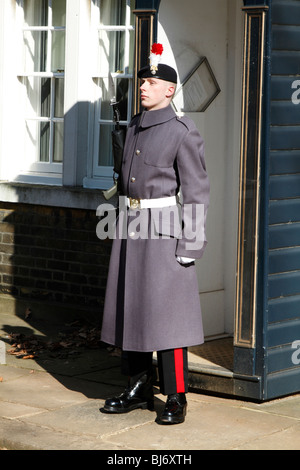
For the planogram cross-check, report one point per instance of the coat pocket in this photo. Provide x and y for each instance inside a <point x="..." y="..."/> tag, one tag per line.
<point x="158" y="161"/>
<point x="159" y="157"/>
<point x="166" y="222"/>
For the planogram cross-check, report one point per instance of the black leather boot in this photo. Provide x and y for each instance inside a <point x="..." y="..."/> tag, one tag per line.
<point x="175" y="409"/>
<point x="138" y="395"/>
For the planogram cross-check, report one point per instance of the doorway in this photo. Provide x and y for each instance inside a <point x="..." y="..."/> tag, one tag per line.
<point x="213" y="30"/>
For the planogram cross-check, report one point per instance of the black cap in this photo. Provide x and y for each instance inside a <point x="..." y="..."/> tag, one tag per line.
<point x="163" y="72"/>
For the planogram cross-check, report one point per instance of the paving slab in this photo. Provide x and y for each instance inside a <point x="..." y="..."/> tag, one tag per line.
<point x="17" y="435"/>
<point x="85" y="419"/>
<point x="285" y="439"/>
<point x="38" y="389"/>
<point x="285" y="406"/>
<point x="9" y="410"/>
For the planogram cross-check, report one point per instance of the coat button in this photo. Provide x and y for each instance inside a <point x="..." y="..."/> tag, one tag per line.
<point x="137" y="152"/>
<point x="132" y="179"/>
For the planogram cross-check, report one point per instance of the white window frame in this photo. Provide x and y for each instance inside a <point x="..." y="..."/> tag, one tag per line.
<point x="50" y="169"/>
<point x="100" y="176"/>
<point x="82" y="96"/>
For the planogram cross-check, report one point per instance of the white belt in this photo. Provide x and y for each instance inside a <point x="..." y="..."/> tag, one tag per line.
<point x="160" y="202"/>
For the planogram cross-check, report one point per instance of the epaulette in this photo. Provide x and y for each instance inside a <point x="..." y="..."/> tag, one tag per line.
<point x="186" y="121"/>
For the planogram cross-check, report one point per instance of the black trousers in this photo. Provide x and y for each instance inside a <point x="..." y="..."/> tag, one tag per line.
<point x="172" y="368"/>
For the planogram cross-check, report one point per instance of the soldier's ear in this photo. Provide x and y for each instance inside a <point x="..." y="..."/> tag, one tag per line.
<point x="170" y="90"/>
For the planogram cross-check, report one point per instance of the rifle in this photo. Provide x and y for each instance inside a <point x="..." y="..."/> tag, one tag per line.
<point x="118" y="139"/>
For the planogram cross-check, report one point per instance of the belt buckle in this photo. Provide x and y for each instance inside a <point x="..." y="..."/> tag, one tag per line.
<point x="134" y="203"/>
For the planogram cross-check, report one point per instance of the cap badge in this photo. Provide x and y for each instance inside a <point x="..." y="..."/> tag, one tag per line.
<point x="155" y="57"/>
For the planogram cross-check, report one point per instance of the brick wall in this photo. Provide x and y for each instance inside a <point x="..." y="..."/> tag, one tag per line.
<point x="52" y="254"/>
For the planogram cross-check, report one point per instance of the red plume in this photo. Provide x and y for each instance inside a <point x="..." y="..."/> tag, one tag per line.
<point x="157" y="49"/>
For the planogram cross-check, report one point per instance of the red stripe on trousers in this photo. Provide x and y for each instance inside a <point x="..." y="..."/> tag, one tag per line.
<point x="178" y="359"/>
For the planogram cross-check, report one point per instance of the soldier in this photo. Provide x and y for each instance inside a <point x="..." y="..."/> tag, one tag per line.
<point x="152" y="299"/>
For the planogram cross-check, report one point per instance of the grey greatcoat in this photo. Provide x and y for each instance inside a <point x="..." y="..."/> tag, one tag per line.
<point x="152" y="301"/>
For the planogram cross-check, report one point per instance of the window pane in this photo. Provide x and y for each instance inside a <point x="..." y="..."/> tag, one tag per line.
<point x="58" y="51"/>
<point x="112" y="12"/>
<point x="105" y="148"/>
<point x="58" y="142"/>
<point x="36" y="12"/>
<point x="35" y="56"/>
<point x="121" y="97"/>
<point x="106" y="109"/>
<point x="44" y="141"/>
<point x="38" y="96"/>
<point x="31" y="141"/>
<point x="37" y="141"/>
<point x="111" y="51"/>
<point x="45" y="97"/>
<point x="59" y="98"/>
<point x="58" y="12"/>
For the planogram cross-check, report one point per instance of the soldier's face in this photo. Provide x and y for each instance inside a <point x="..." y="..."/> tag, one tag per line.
<point x="156" y="93"/>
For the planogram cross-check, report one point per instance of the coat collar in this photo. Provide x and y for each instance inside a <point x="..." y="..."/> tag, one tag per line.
<point x="153" y="118"/>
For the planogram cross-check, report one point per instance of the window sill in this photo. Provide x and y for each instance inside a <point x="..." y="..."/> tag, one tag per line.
<point x="57" y="196"/>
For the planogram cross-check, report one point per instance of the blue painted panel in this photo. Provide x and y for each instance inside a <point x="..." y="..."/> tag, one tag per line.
<point x="284" y="162"/>
<point x="282" y="89"/>
<point x="280" y="358"/>
<point x="284" y="113"/>
<point x="283" y="383"/>
<point x="287" y="12"/>
<point x="284" y="284"/>
<point x="283" y="333"/>
<point x="286" y="37"/>
<point x="285" y="63"/>
<point x="283" y="211"/>
<point x="286" y="259"/>
<point x="285" y="235"/>
<point x="284" y="186"/>
<point x="286" y="137"/>
<point x="284" y="308"/>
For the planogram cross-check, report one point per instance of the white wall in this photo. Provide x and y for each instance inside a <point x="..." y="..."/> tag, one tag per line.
<point x="10" y="105"/>
<point x="190" y="30"/>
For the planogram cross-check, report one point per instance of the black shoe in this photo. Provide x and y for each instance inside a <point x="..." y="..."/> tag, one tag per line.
<point x="175" y="409"/>
<point x="138" y="395"/>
